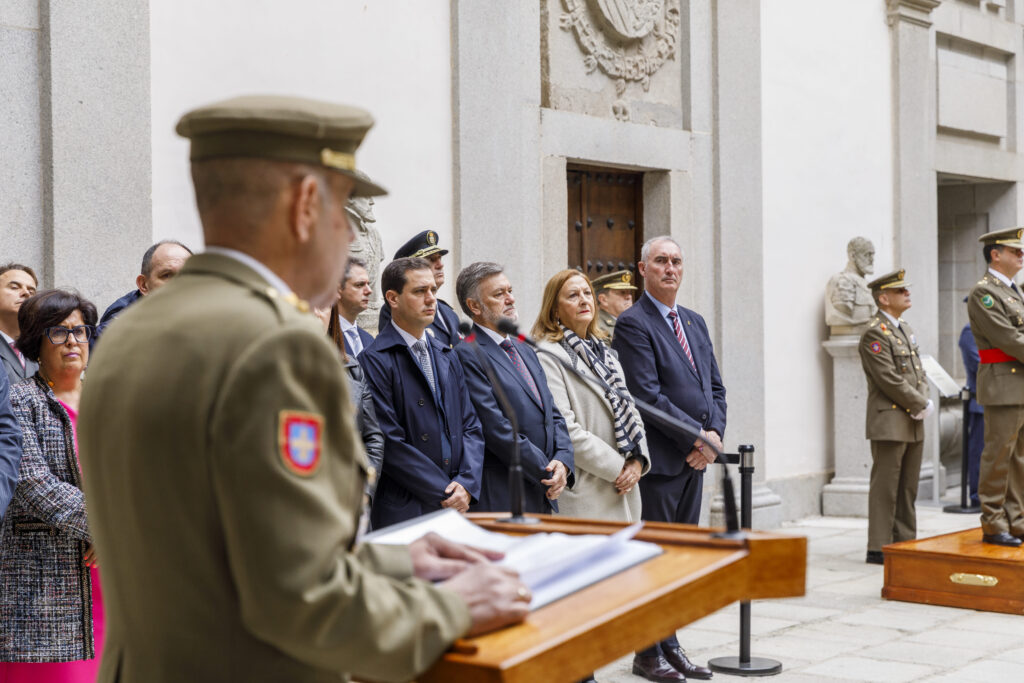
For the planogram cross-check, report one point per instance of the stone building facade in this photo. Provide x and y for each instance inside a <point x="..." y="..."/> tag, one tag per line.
<point x="761" y="135"/>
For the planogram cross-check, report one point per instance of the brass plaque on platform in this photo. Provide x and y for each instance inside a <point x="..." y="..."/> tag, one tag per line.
<point x="973" y="579"/>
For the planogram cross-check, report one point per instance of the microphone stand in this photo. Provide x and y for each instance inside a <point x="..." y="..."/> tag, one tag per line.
<point x="656" y="415"/>
<point x="515" y="472"/>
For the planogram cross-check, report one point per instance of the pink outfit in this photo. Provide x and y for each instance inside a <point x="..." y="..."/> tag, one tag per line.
<point x="82" y="671"/>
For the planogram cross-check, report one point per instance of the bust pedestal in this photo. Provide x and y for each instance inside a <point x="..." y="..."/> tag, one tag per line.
<point x="847" y="494"/>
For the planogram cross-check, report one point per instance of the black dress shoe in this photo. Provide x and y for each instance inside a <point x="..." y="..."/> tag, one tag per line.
<point x="678" y="659"/>
<point x="1002" y="538"/>
<point x="656" y="668"/>
<point x="875" y="557"/>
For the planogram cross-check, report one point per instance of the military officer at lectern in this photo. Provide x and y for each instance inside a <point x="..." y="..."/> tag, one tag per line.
<point x="226" y="513"/>
<point x="996" y="311"/>
<point x="898" y="403"/>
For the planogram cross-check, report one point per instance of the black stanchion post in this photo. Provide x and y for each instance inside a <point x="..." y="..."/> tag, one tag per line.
<point x="965" y="507"/>
<point x="745" y="665"/>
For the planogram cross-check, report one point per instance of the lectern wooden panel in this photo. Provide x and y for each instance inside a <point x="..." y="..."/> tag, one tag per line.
<point x="564" y="641"/>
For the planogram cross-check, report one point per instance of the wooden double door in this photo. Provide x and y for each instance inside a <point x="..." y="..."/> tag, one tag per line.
<point x="605" y="220"/>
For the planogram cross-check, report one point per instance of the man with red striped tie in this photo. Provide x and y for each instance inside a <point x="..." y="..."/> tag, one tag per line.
<point x="669" y="361"/>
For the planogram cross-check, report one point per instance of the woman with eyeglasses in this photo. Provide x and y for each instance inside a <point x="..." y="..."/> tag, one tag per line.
<point x="51" y="613"/>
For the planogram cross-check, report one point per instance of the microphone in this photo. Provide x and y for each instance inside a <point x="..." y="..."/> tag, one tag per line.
<point x="653" y="414"/>
<point x="515" y="472"/>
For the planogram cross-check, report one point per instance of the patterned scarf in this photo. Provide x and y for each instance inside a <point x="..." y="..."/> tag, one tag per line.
<point x="628" y="431"/>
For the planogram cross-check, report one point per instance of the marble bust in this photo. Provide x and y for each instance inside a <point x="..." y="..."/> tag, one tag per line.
<point x="367" y="246"/>
<point x="848" y="301"/>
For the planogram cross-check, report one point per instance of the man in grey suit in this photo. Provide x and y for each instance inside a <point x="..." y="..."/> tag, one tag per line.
<point x="17" y="283"/>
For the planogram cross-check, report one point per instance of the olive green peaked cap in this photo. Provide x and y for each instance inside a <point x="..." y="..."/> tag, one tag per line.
<point x="620" y="279"/>
<point x="1010" y="237"/>
<point x="283" y="128"/>
<point x="893" y="280"/>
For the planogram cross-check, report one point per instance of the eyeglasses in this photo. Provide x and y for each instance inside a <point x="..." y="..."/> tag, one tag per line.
<point x="59" y="335"/>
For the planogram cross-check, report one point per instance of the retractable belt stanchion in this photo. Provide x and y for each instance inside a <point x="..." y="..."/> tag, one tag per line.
<point x="745" y="665"/>
<point x="965" y="507"/>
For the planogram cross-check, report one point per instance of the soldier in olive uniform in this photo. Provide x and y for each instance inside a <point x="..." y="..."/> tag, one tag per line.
<point x="898" y="403"/>
<point x="225" y="475"/>
<point x="614" y="295"/>
<point x="996" y="310"/>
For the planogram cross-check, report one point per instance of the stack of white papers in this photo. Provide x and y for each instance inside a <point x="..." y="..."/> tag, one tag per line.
<point x="552" y="565"/>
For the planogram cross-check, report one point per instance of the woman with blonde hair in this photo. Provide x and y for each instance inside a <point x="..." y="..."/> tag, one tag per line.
<point x="603" y="422"/>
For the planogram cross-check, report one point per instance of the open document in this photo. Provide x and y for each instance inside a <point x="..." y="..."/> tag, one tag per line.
<point x="552" y="565"/>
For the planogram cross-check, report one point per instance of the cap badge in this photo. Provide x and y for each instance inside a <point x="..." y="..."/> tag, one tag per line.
<point x="875" y="347"/>
<point x="987" y="301"/>
<point x="431" y="238"/>
<point x="299" y="437"/>
<point x="340" y="160"/>
<point x="625" y="278"/>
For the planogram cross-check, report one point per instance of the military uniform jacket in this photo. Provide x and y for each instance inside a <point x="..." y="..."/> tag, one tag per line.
<point x="997" y="321"/>
<point x="897" y="387"/>
<point x="606" y="322"/>
<point x="224" y="482"/>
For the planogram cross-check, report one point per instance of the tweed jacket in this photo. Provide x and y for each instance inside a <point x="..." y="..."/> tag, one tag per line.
<point x="45" y="589"/>
<point x="591" y="425"/>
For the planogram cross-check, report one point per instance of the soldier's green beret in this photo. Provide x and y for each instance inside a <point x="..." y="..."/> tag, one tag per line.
<point x="421" y="246"/>
<point x="1010" y="237"/>
<point x="893" y="280"/>
<point x="620" y="279"/>
<point x="282" y="128"/>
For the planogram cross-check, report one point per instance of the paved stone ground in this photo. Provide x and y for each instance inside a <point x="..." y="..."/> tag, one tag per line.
<point x="842" y="630"/>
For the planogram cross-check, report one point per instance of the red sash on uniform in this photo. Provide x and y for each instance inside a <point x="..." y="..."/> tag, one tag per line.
<point x="994" y="356"/>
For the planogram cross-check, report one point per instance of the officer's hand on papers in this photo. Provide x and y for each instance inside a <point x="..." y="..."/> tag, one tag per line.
<point x="928" y="409"/>
<point x="495" y="596"/>
<point x="558" y="479"/>
<point x="458" y="497"/>
<point x="437" y="559"/>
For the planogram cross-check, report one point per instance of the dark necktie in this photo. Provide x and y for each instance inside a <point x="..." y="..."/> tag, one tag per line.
<point x="1013" y="286"/>
<point x="517" y="363"/>
<point x="682" y="338"/>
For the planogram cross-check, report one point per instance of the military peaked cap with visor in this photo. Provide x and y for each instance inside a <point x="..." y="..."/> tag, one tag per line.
<point x="421" y="246"/>
<point x="282" y="128"/>
<point x="620" y="279"/>
<point x="893" y="280"/>
<point x="1010" y="237"/>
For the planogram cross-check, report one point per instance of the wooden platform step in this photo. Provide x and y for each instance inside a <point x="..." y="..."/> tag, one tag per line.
<point x="956" y="570"/>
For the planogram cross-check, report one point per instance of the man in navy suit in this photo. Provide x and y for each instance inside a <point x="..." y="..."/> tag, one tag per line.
<point x="354" y="298"/>
<point x="17" y="283"/>
<point x="445" y="327"/>
<point x="976" y="413"/>
<point x="433" y="445"/>
<point x="10" y="446"/>
<point x="668" y="360"/>
<point x="545" y="449"/>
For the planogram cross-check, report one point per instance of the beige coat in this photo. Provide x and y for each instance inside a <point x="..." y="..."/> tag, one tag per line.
<point x="590" y="421"/>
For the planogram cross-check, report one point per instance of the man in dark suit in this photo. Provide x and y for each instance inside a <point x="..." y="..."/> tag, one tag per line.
<point x="975" y="413"/>
<point x="17" y="283"/>
<point x="160" y="263"/>
<point x="445" y="327"/>
<point x="545" y="449"/>
<point x="433" y="444"/>
<point x="10" y="446"/>
<point x="669" y="361"/>
<point x="354" y="298"/>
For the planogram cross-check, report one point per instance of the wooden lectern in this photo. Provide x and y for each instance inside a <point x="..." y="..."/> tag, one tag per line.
<point x="572" y="637"/>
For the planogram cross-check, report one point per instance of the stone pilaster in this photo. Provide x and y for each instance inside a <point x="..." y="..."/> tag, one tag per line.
<point x="915" y="208"/>
<point x="96" y="145"/>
